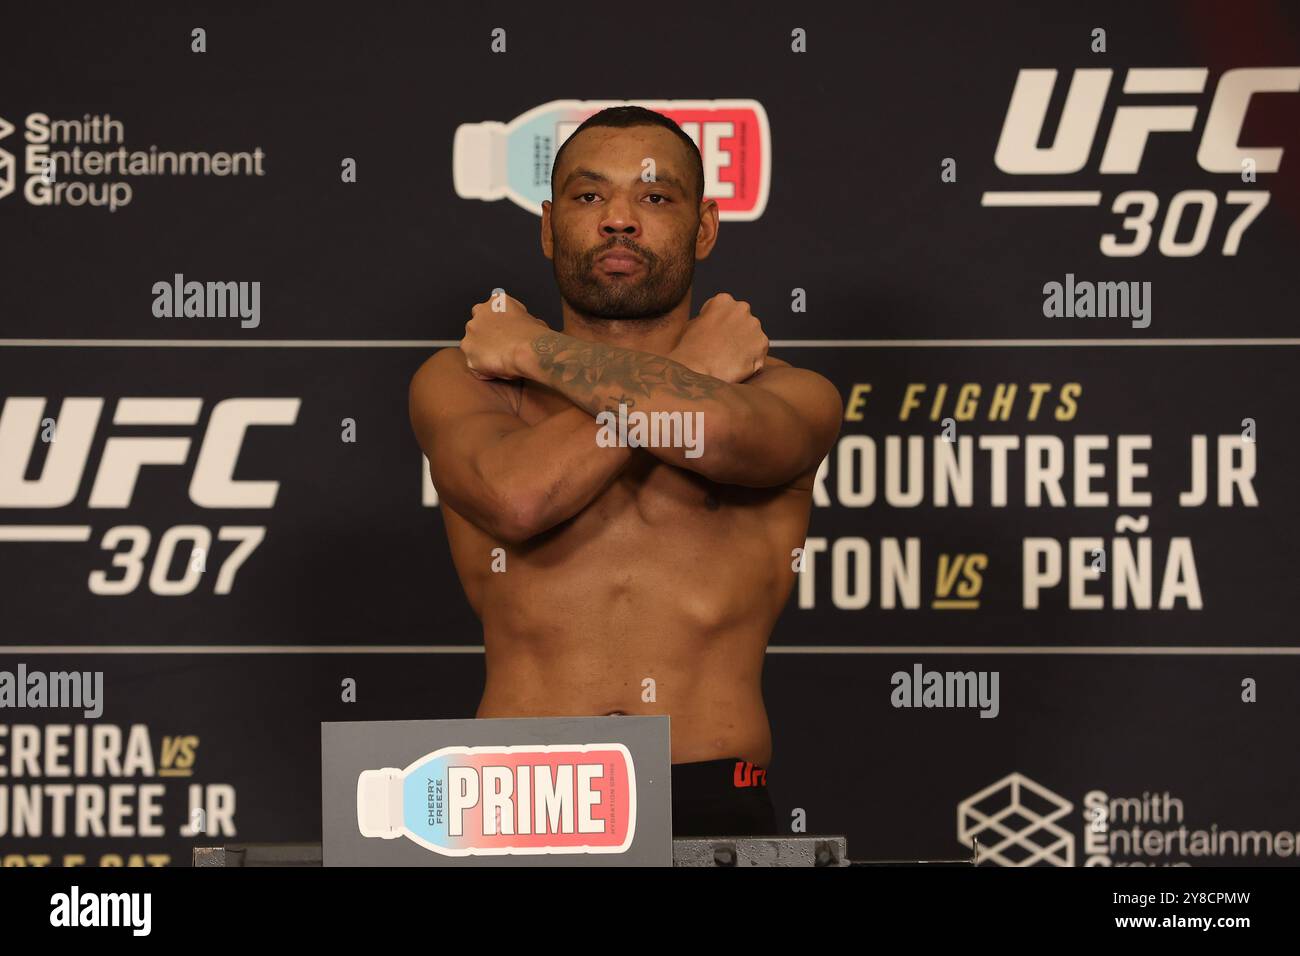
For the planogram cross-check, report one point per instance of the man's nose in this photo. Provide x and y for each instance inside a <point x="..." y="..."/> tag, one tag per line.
<point x="620" y="220"/>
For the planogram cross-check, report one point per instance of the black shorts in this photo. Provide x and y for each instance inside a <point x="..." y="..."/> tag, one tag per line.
<point x="725" y="797"/>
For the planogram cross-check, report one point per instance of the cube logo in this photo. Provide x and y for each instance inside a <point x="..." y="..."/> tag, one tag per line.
<point x="1015" y="822"/>
<point x="6" y="161"/>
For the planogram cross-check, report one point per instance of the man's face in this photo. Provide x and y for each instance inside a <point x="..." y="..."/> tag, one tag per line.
<point x="602" y="205"/>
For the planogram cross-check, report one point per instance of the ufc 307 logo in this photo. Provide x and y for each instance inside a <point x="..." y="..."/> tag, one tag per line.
<point x="179" y="562"/>
<point x="1185" y="227"/>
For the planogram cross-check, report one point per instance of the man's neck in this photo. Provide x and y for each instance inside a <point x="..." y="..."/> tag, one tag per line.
<point x="659" y="335"/>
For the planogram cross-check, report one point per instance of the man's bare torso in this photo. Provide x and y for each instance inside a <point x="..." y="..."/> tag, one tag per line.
<point x="665" y="576"/>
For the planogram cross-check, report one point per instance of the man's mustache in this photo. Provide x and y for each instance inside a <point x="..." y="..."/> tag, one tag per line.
<point x="645" y="256"/>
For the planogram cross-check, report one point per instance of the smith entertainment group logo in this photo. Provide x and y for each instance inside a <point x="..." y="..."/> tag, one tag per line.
<point x="86" y="162"/>
<point x="1015" y="823"/>
<point x="1191" y="217"/>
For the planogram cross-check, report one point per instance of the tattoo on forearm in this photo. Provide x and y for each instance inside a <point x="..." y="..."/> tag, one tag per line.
<point x="604" y="371"/>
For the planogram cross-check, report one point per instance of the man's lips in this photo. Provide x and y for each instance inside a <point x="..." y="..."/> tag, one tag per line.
<point x="618" y="261"/>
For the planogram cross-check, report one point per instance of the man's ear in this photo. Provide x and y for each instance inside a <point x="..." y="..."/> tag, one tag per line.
<point x="707" y="234"/>
<point x="548" y="249"/>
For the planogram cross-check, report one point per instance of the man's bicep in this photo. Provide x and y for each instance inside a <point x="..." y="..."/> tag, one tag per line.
<point x="456" y="419"/>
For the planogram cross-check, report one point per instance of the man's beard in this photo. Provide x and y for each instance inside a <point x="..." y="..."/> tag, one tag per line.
<point x="659" y="284"/>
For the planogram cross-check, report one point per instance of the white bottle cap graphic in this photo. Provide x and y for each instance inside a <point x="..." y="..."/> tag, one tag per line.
<point x="379" y="803"/>
<point x="478" y="160"/>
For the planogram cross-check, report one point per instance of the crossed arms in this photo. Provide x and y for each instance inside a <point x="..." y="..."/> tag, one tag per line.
<point x="516" y="480"/>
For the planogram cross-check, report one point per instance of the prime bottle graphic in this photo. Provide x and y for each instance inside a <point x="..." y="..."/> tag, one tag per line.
<point x="494" y="160"/>
<point x="468" y="801"/>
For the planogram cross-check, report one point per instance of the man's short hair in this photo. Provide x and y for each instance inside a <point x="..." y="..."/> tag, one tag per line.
<point x="624" y="116"/>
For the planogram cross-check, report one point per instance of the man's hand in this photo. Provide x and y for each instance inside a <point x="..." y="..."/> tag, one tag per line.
<point x="724" y="341"/>
<point x="493" y="339"/>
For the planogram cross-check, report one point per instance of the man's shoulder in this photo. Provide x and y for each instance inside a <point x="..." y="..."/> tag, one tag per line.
<point x="445" y="376"/>
<point x="444" y="363"/>
<point x="445" y="371"/>
<point x="775" y="369"/>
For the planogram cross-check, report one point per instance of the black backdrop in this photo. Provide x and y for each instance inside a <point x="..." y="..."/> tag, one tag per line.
<point x="908" y="279"/>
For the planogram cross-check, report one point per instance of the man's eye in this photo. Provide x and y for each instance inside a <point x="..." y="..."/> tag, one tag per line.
<point x="583" y="196"/>
<point x="657" y="196"/>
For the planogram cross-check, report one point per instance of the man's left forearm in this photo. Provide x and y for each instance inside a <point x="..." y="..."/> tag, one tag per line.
<point x="599" y="378"/>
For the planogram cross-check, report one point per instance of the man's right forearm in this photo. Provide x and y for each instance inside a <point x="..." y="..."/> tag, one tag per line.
<point x="547" y="473"/>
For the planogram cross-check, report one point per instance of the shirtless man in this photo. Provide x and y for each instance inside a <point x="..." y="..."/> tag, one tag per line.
<point x="629" y="564"/>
